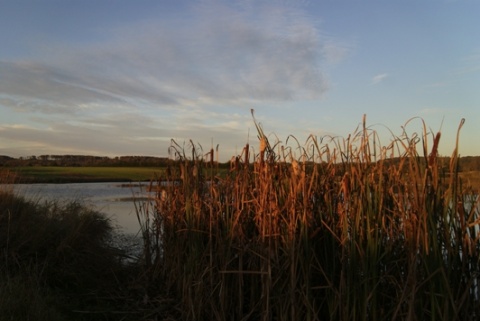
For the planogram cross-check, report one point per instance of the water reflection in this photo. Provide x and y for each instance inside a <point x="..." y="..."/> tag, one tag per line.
<point x="114" y="199"/>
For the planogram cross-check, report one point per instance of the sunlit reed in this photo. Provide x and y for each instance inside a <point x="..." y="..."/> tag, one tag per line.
<point x="347" y="230"/>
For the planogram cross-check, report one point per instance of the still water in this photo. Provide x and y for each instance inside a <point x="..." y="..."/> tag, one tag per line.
<point x="115" y="199"/>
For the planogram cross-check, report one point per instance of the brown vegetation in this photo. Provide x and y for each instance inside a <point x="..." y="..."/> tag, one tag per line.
<point x="336" y="229"/>
<point x="349" y="230"/>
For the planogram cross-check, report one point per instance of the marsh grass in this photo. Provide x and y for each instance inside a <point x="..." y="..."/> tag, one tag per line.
<point x="56" y="261"/>
<point x="335" y="229"/>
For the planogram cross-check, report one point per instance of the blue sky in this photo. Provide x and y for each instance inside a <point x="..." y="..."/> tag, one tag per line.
<point x="119" y="77"/>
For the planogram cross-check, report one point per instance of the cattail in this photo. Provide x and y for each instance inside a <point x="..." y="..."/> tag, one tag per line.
<point x="433" y="154"/>
<point x="297" y="233"/>
<point x="163" y="195"/>
<point x="346" y="186"/>
<point x="263" y="144"/>
<point x="195" y="171"/>
<point x="247" y="147"/>
<point x="234" y="163"/>
<point x="295" y="167"/>
<point x="182" y="172"/>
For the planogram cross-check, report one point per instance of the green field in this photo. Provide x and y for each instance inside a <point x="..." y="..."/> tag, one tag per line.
<point x="56" y="174"/>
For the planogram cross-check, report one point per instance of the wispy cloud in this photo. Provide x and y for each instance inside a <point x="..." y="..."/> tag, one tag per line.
<point x="122" y="133"/>
<point x="171" y="74"/>
<point x="222" y="53"/>
<point x="379" y="78"/>
<point x="434" y="111"/>
<point x="471" y="63"/>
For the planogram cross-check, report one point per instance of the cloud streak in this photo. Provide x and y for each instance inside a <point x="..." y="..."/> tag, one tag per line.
<point x="222" y="54"/>
<point x="122" y="134"/>
<point x="163" y="71"/>
<point x="379" y="78"/>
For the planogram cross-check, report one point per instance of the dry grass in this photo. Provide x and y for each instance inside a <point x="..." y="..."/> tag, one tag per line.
<point x="348" y="230"/>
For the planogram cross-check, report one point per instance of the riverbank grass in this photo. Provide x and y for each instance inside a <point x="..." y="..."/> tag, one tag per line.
<point x="57" y="262"/>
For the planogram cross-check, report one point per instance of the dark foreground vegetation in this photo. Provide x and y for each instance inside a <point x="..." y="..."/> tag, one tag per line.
<point x="64" y="262"/>
<point x="339" y="229"/>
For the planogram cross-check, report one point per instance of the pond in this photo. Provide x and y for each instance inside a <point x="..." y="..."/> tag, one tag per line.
<point x="115" y="199"/>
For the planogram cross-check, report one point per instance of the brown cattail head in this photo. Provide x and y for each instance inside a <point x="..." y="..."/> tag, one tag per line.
<point x="263" y="144"/>
<point x="234" y="163"/>
<point x="433" y="154"/>
<point x="295" y="167"/>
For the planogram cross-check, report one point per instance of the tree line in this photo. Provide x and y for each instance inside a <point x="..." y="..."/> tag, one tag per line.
<point x="466" y="163"/>
<point x="84" y="160"/>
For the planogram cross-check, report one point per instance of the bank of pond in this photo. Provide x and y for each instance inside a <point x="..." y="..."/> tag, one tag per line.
<point x="62" y="260"/>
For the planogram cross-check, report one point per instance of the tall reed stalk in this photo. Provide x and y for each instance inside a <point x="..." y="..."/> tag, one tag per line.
<point x="347" y="230"/>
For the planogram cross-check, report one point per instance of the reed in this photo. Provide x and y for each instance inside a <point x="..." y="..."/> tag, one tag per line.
<point x="347" y="230"/>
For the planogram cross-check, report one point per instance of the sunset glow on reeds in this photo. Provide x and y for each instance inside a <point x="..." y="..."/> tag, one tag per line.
<point x="349" y="230"/>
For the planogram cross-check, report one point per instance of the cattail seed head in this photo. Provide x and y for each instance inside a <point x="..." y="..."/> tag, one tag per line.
<point x="263" y="144"/>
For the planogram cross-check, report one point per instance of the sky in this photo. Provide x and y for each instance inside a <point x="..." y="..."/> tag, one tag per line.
<point x="124" y="77"/>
